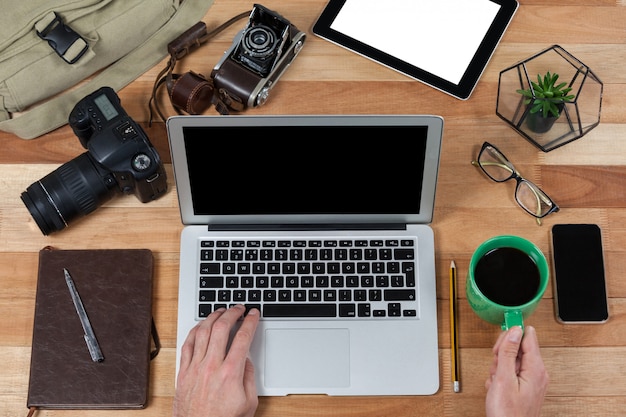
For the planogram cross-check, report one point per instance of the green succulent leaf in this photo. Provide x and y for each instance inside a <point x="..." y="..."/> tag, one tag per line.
<point x="560" y="86"/>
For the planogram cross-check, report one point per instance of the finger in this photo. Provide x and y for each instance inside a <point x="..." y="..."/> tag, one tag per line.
<point x="220" y="333"/>
<point x="495" y="350"/>
<point x="240" y="347"/>
<point x="202" y="335"/>
<point x="508" y="351"/>
<point x="531" y="352"/>
<point x="494" y="366"/>
<point x="488" y="382"/>
<point x="187" y="349"/>
<point x="530" y="343"/>
<point x="249" y="383"/>
<point x="496" y="346"/>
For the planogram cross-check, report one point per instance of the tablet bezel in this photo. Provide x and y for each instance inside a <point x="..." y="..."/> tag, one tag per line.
<point x="473" y="72"/>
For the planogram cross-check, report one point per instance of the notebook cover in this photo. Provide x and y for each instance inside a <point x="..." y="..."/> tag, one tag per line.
<point x="115" y="286"/>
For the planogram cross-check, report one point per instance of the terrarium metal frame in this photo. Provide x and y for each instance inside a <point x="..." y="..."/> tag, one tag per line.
<point x="577" y="117"/>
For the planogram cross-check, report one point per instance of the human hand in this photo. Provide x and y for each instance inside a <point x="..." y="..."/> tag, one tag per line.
<point x="213" y="381"/>
<point x="518" y="379"/>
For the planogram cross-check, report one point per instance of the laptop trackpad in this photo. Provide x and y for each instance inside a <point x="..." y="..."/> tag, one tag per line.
<point x="302" y="358"/>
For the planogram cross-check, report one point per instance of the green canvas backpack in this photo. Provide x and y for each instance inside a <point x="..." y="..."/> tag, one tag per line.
<point x="54" y="52"/>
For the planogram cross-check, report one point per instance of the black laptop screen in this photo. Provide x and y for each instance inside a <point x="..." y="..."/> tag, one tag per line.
<point x="305" y="169"/>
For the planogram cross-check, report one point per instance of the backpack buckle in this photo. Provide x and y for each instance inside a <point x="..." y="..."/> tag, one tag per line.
<point x="68" y="44"/>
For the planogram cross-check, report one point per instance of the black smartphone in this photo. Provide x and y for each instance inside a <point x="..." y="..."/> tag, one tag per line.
<point x="578" y="268"/>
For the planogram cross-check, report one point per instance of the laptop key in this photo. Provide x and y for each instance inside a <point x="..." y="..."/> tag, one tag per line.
<point x="374" y="295"/>
<point x="409" y="269"/>
<point x="239" y="296"/>
<point x="300" y="310"/>
<point x="204" y="310"/>
<point x="399" y="295"/>
<point x="251" y="306"/>
<point x="209" y="268"/>
<point x="347" y="310"/>
<point x="404" y="253"/>
<point x="207" y="295"/>
<point x="211" y="282"/>
<point x="393" y="309"/>
<point x="364" y="310"/>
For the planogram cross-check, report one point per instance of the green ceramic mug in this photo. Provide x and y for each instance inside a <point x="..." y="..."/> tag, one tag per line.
<point x="506" y="279"/>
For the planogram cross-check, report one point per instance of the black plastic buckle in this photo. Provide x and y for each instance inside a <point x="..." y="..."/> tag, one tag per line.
<point x="61" y="37"/>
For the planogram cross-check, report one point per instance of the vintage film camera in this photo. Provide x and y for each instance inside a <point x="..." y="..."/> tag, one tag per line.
<point x="258" y="57"/>
<point x="119" y="158"/>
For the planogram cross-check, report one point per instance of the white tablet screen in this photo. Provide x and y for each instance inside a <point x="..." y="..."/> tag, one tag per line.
<point x="443" y="43"/>
<point x="440" y="37"/>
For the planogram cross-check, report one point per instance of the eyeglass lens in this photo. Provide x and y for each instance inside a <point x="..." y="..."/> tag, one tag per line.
<point x="532" y="199"/>
<point x="495" y="164"/>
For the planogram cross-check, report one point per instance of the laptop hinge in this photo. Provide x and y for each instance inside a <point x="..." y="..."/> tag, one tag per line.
<point x="300" y="226"/>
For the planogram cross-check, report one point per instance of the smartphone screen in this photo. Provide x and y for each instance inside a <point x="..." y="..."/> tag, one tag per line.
<point x="578" y="262"/>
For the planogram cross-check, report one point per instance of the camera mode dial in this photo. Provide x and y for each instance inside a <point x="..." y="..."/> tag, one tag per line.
<point x="141" y="162"/>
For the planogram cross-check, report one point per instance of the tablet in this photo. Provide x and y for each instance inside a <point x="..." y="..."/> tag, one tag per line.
<point x="443" y="43"/>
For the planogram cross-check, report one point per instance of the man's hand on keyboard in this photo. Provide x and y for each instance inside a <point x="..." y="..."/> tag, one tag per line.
<point x="212" y="380"/>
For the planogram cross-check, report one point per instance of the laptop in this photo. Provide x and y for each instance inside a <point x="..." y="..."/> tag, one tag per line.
<point x="321" y="222"/>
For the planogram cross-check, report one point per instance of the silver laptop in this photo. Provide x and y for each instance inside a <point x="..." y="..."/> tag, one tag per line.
<point x="321" y="222"/>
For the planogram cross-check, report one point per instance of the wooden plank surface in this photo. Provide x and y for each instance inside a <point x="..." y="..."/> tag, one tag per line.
<point x="587" y="178"/>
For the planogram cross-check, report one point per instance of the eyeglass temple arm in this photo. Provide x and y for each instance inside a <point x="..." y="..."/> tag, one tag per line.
<point x="497" y="164"/>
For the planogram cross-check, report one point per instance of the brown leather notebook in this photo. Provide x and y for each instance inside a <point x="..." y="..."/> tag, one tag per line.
<point x="115" y="288"/>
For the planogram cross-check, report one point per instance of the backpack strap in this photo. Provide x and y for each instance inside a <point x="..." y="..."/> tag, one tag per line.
<point x="53" y="113"/>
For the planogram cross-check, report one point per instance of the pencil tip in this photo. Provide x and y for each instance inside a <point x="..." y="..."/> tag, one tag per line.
<point x="452" y="264"/>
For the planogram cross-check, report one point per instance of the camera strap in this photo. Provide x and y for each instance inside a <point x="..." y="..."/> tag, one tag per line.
<point x="190" y="92"/>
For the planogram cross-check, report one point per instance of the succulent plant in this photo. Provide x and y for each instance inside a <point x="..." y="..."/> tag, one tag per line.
<point x="545" y="96"/>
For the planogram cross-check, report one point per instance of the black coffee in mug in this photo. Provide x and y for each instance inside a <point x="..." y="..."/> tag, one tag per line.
<point x="507" y="276"/>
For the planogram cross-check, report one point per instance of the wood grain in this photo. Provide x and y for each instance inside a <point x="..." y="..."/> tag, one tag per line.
<point x="587" y="178"/>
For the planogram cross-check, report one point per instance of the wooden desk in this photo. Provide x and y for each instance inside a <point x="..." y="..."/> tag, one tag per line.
<point x="585" y="362"/>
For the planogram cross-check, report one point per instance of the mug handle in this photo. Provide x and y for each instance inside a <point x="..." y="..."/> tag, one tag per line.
<point x="513" y="318"/>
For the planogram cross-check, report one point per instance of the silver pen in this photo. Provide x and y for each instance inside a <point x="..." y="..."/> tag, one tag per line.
<point x="90" y="336"/>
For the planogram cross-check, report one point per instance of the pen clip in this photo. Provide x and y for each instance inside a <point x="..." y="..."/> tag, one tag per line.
<point x="94" y="349"/>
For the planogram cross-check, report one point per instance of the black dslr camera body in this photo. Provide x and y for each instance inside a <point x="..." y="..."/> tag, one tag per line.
<point x="119" y="158"/>
<point x="258" y="57"/>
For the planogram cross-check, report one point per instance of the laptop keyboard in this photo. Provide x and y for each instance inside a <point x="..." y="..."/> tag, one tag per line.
<point x="344" y="278"/>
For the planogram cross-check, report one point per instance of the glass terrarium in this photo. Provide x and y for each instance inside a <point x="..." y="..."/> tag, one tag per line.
<point x="537" y="110"/>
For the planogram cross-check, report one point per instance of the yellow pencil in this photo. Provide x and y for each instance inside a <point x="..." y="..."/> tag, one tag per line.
<point x="454" y="334"/>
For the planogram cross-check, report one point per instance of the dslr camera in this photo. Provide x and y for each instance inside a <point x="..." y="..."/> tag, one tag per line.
<point x="119" y="159"/>
<point x="259" y="55"/>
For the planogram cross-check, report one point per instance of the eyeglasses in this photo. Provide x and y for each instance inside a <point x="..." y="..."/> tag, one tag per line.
<point x="530" y="197"/>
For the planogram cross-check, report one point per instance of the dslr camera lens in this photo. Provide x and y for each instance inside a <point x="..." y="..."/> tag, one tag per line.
<point x="73" y="190"/>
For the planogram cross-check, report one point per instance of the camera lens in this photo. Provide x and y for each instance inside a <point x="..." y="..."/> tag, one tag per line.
<point x="75" y="189"/>
<point x="259" y="41"/>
